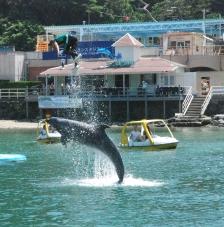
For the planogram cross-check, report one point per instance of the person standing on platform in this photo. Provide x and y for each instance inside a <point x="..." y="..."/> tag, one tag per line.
<point x="69" y="43"/>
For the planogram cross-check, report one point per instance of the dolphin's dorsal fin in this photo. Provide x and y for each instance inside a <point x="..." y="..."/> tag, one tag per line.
<point x="102" y="126"/>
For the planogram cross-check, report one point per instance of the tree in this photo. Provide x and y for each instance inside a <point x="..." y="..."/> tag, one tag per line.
<point x="22" y="20"/>
<point x="92" y="9"/>
<point x="21" y="34"/>
<point x="180" y="9"/>
<point x="118" y="11"/>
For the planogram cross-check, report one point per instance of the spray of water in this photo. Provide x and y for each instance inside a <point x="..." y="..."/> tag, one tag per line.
<point x="93" y="169"/>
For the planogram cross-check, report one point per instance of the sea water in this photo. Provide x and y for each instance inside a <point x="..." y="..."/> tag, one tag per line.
<point x="75" y="186"/>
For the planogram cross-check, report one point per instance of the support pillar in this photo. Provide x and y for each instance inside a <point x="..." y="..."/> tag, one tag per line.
<point x="128" y="111"/>
<point x="27" y="110"/>
<point x="27" y="105"/>
<point x="110" y="117"/>
<point x="146" y="109"/>
<point x="46" y="86"/>
<point x="123" y="84"/>
<point x="180" y="109"/>
<point x="164" y="109"/>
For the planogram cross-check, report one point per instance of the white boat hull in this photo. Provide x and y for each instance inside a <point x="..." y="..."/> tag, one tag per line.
<point x="159" y="143"/>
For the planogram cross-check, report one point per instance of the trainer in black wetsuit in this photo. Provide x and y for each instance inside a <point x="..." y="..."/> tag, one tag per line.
<point x="70" y="43"/>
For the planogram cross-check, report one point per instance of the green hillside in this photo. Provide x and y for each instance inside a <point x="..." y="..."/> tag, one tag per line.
<point x="22" y="20"/>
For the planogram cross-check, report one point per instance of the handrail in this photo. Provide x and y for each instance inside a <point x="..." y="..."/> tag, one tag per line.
<point x="187" y="101"/>
<point x="214" y="90"/>
<point x="8" y="93"/>
<point x="12" y="93"/>
<point x="208" y="49"/>
<point x="153" y="91"/>
<point x="207" y="100"/>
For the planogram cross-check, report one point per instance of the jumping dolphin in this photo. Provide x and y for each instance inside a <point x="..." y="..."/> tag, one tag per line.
<point x="91" y="135"/>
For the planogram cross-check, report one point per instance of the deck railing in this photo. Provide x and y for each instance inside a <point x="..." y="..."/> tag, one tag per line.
<point x="164" y="91"/>
<point x="214" y="90"/>
<point x="187" y="101"/>
<point x="134" y="91"/>
<point x="208" y="49"/>
<point x="19" y="93"/>
<point x="9" y="93"/>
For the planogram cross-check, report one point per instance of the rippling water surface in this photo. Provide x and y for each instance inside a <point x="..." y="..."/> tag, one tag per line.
<point x="75" y="186"/>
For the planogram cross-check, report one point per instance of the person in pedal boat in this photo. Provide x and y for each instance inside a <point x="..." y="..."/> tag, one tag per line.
<point x="136" y="134"/>
<point x="43" y="131"/>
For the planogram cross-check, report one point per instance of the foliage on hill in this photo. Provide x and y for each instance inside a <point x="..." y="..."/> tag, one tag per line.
<point x="22" y="20"/>
<point x="21" y="34"/>
<point x="19" y="84"/>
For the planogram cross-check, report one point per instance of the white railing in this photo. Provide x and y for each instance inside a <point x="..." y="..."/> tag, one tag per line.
<point x="16" y="93"/>
<point x="187" y="100"/>
<point x="150" y="90"/>
<point x="214" y="90"/>
<point x="195" y="50"/>
<point x="13" y="93"/>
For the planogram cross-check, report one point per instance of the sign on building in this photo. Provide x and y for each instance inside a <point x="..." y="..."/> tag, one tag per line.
<point x="59" y="102"/>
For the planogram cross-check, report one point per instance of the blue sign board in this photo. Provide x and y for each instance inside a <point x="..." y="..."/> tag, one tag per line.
<point x="88" y="49"/>
<point x="94" y="49"/>
<point x="59" y="102"/>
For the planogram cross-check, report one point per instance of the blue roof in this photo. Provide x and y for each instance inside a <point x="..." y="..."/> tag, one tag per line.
<point x="211" y="27"/>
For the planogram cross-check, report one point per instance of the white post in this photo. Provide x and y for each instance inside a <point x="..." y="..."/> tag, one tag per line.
<point x="80" y="34"/>
<point x="203" y="11"/>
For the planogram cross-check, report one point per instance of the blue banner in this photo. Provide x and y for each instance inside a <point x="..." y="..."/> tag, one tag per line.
<point x="96" y="49"/>
<point x="88" y="49"/>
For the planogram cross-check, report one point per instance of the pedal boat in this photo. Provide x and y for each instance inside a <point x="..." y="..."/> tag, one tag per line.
<point x="47" y="135"/>
<point x="152" y="141"/>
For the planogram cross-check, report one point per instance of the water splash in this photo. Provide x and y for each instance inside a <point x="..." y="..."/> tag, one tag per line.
<point x="94" y="169"/>
<point x="129" y="181"/>
<point x="83" y="162"/>
<point x="103" y="168"/>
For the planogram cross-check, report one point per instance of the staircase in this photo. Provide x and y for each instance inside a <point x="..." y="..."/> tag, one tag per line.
<point x="194" y="110"/>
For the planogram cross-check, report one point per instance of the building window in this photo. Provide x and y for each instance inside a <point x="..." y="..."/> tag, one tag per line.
<point x="171" y="80"/>
<point x="166" y="80"/>
<point x="150" y="41"/>
<point x="139" y="39"/>
<point x="180" y="44"/>
<point x="156" y="41"/>
<point x="187" y="44"/>
<point x="149" y="78"/>
<point x="119" y="80"/>
<point x="173" y="44"/>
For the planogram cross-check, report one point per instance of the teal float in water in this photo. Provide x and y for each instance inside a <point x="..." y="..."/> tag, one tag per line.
<point x="12" y="157"/>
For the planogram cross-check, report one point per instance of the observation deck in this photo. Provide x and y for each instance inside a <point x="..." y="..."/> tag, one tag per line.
<point x="213" y="27"/>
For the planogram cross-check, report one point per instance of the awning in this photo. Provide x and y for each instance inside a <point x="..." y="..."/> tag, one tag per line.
<point x="101" y="67"/>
